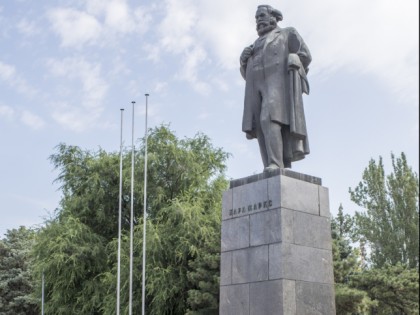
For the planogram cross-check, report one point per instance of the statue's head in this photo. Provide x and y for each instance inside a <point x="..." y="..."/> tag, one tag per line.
<point x="266" y="18"/>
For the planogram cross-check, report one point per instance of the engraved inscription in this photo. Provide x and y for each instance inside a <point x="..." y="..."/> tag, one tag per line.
<point x="251" y="207"/>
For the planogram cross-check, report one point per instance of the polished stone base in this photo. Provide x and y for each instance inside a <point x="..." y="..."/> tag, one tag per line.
<point x="276" y="247"/>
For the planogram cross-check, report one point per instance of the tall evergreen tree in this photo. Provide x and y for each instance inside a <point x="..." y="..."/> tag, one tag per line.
<point x="390" y="224"/>
<point x="16" y="276"/>
<point x="349" y="300"/>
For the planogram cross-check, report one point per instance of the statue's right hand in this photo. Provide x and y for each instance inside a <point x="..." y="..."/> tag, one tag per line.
<point x="247" y="52"/>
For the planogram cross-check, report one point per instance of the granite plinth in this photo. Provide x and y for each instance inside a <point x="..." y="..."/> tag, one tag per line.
<point x="276" y="246"/>
<point x="277" y="172"/>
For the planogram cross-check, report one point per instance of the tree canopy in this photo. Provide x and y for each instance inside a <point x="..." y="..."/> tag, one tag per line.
<point x="77" y="250"/>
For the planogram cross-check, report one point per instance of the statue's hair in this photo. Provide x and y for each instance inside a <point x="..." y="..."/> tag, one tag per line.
<point x="274" y="12"/>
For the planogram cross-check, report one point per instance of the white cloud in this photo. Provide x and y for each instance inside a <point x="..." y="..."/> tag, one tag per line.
<point x="227" y="32"/>
<point x="94" y="86"/>
<point x="9" y="75"/>
<point x="116" y="14"/>
<point x="189" y="25"/>
<point x="143" y="19"/>
<point x="7" y="72"/>
<point x="74" y="27"/>
<point x="160" y="87"/>
<point x="175" y="31"/>
<point x="26" y="117"/>
<point x="189" y="71"/>
<point x="98" y="22"/>
<point x="203" y="116"/>
<point x="32" y="120"/>
<point x="152" y="51"/>
<point x="28" y="28"/>
<point x="6" y="111"/>
<point x="119" y="17"/>
<point x="72" y="118"/>
<point x="178" y="36"/>
<point x="221" y="84"/>
<point x="94" y="89"/>
<point x="119" y="67"/>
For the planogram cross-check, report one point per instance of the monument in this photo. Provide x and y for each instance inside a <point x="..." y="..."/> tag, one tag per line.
<point x="276" y="248"/>
<point x="275" y="69"/>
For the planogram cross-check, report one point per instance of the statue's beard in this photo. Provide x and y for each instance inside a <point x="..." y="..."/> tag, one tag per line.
<point x="264" y="27"/>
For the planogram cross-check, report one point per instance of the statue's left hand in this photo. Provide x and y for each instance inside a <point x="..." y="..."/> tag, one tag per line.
<point x="249" y="136"/>
<point x="294" y="62"/>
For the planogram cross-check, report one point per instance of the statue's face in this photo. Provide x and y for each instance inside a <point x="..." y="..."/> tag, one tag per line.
<point x="264" y="21"/>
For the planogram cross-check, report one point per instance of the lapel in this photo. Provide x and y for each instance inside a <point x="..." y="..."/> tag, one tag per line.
<point x="271" y="36"/>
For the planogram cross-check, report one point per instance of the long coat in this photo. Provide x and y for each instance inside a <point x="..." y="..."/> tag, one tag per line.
<point x="281" y="94"/>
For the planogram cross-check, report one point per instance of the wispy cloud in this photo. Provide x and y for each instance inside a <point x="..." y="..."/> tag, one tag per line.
<point x="176" y="28"/>
<point x="32" y="120"/>
<point x="177" y="35"/>
<point x="7" y="112"/>
<point x="7" y="72"/>
<point x="98" y="22"/>
<point x="160" y="87"/>
<point x="74" y="27"/>
<point x="190" y="70"/>
<point x="116" y="15"/>
<point x="10" y="76"/>
<point x="26" y="117"/>
<point x="86" y="107"/>
<point x="226" y="32"/>
<point x="28" y="28"/>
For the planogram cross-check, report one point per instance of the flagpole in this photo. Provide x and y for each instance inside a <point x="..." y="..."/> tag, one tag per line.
<point x="130" y="301"/>
<point x="119" y="219"/>
<point x="144" y="217"/>
<point x="42" y="293"/>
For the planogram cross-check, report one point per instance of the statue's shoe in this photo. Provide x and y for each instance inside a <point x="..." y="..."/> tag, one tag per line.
<point x="271" y="168"/>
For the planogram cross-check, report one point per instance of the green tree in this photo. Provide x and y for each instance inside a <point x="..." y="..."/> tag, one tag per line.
<point x="394" y="288"/>
<point x="185" y="183"/>
<point x="16" y="276"/>
<point x="390" y="224"/>
<point x="348" y="299"/>
<point x="71" y="256"/>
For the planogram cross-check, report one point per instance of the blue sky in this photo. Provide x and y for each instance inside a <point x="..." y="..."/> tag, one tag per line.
<point x="67" y="67"/>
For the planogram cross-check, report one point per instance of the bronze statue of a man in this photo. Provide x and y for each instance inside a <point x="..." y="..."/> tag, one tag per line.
<point x="275" y="69"/>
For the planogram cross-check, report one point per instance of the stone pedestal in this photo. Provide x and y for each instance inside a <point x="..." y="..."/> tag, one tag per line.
<point x="276" y="247"/>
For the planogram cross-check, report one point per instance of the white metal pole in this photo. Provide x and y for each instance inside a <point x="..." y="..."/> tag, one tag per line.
<point x="42" y="293"/>
<point x="130" y="301"/>
<point x="119" y="219"/>
<point x="144" y="218"/>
